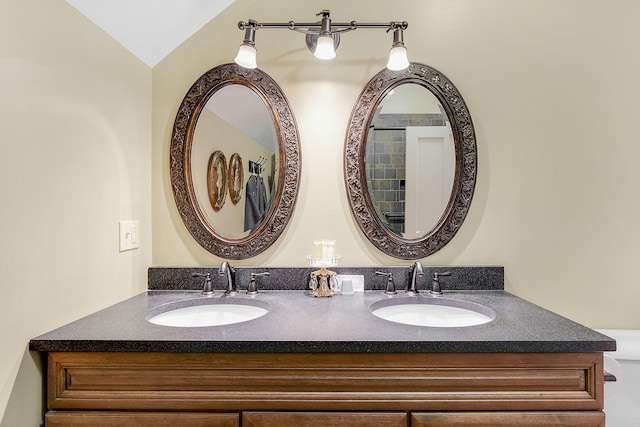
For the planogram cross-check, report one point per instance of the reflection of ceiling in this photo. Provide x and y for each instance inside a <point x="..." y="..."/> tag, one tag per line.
<point x="410" y="99"/>
<point x="244" y="110"/>
<point x="150" y="29"/>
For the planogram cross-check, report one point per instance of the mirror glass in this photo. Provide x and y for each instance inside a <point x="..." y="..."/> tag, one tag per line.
<point x="235" y="120"/>
<point x="410" y="161"/>
<point x="235" y="161"/>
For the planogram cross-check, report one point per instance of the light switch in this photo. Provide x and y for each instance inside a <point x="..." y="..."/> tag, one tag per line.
<point x="129" y="238"/>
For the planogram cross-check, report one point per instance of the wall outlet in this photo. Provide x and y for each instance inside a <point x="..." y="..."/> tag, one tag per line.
<point x="129" y="235"/>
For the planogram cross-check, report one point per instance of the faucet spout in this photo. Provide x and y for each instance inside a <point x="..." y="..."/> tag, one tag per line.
<point x="416" y="271"/>
<point x="227" y="270"/>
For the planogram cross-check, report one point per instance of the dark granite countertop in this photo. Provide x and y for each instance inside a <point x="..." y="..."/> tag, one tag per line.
<point x="298" y="322"/>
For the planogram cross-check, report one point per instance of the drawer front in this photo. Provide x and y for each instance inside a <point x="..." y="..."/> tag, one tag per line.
<point x="148" y="419"/>
<point x="510" y="419"/>
<point x="323" y="419"/>
<point x="333" y="382"/>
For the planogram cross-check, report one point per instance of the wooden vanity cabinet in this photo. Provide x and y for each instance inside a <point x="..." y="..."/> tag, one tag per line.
<point x="358" y="389"/>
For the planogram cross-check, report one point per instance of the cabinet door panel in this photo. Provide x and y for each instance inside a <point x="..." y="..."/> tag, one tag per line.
<point x="323" y="419"/>
<point x="147" y="419"/>
<point x="509" y="419"/>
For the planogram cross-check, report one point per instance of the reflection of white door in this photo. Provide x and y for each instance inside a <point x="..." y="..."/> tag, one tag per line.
<point x="429" y="177"/>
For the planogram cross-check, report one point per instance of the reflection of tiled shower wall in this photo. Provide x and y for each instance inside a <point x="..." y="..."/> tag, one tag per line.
<point x="385" y="163"/>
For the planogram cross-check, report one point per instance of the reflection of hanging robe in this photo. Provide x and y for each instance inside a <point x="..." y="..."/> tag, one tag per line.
<point x="255" y="202"/>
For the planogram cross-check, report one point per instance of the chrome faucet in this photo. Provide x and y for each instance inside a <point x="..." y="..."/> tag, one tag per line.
<point x="416" y="271"/>
<point x="227" y="270"/>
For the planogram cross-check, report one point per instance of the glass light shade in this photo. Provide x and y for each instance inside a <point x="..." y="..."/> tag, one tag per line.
<point x="246" y="56"/>
<point x="398" y="59"/>
<point x="324" y="48"/>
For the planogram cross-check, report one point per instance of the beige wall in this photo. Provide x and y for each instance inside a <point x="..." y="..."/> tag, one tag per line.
<point x="552" y="89"/>
<point x="75" y="130"/>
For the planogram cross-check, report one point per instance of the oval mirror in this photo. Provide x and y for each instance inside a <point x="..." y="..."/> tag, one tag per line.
<point x="410" y="161"/>
<point x="241" y="115"/>
<point x="234" y="120"/>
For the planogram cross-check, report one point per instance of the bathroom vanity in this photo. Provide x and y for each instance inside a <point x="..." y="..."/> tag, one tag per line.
<point x="324" y="362"/>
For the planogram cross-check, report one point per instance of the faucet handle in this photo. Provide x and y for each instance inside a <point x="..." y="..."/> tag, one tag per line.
<point x="252" y="289"/>
<point x="435" y="284"/>
<point x="391" y="286"/>
<point x="207" y="289"/>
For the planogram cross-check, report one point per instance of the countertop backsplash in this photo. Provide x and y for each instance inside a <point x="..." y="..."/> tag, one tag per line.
<point x="297" y="278"/>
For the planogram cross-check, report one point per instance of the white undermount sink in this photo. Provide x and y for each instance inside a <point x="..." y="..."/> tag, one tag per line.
<point x="207" y="312"/>
<point x="434" y="312"/>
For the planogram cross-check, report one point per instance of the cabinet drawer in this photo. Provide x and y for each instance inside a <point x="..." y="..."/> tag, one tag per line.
<point x="325" y="382"/>
<point x="146" y="419"/>
<point x="324" y="419"/>
<point x="509" y="419"/>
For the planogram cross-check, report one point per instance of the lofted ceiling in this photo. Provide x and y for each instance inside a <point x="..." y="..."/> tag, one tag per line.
<point x="150" y="29"/>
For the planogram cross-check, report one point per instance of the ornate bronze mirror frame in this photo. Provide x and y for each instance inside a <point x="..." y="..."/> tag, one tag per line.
<point x="360" y="122"/>
<point x="287" y="183"/>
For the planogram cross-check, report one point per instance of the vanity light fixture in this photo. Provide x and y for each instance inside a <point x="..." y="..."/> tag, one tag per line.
<point x="398" y="59"/>
<point x="323" y="38"/>
<point x="246" y="56"/>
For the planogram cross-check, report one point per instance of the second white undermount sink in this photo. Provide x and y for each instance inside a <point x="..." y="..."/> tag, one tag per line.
<point x="207" y="312"/>
<point x="434" y="312"/>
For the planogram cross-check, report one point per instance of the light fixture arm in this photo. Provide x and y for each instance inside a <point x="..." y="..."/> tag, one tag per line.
<point x="398" y="28"/>
<point x="315" y="27"/>
<point x="250" y="31"/>
<point x="324" y="25"/>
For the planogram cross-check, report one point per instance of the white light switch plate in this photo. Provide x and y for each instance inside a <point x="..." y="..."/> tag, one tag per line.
<point x="129" y="235"/>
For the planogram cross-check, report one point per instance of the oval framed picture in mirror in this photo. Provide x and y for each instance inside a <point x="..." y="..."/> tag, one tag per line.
<point x="235" y="178"/>
<point x="217" y="180"/>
